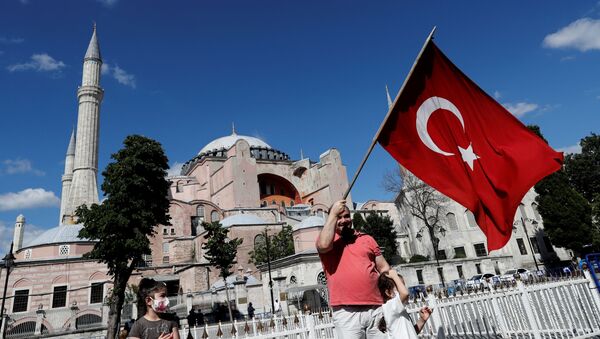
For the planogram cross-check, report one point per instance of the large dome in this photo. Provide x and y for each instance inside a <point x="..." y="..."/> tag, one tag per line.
<point x="58" y="235"/>
<point x="230" y="140"/>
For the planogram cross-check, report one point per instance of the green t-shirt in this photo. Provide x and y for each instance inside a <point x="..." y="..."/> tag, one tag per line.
<point x="146" y="329"/>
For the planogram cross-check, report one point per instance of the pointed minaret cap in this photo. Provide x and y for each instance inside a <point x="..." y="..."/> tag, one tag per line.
<point x="233" y="129"/>
<point x="93" y="51"/>
<point x="71" y="149"/>
<point x="389" y="99"/>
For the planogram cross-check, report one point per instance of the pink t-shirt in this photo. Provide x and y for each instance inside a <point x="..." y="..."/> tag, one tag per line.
<point x="351" y="271"/>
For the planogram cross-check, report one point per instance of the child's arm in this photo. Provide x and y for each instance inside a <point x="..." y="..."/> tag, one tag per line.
<point x="424" y="314"/>
<point x="402" y="290"/>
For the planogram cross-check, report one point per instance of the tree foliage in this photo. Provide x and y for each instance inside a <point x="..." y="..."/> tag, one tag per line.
<point x="220" y="251"/>
<point x="358" y="222"/>
<point x="381" y="228"/>
<point x="136" y="201"/>
<point x="583" y="169"/>
<point x="561" y="200"/>
<point x="281" y="245"/>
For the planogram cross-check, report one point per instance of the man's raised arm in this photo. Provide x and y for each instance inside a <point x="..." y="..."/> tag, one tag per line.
<point x="325" y="240"/>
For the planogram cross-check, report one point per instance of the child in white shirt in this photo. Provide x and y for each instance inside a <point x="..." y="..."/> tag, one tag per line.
<point x="396" y="321"/>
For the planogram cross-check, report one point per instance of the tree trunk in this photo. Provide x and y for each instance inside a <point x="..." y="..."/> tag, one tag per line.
<point x="117" y="300"/>
<point x="228" y="303"/>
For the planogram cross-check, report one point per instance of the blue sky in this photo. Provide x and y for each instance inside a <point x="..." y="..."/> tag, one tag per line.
<point x="302" y="75"/>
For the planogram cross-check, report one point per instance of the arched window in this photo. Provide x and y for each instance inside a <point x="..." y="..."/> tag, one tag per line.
<point x="165" y="247"/>
<point x="471" y="219"/>
<point x="406" y="249"/>
<point x="179" y="187"/>
<point x="452" y="221"/>
<point x="259" y="240"/>
<point x="536" y="213"/>
<point x="297" y="241"/>
<point x="523" y="211"/>
<point x="214" y="216"/>
<point x="200" y="212"/>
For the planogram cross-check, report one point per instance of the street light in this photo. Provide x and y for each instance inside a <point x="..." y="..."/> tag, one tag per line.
<point x="9" y="262"/>
<point x="534" y="223"/>
<point x="269" y="268"/>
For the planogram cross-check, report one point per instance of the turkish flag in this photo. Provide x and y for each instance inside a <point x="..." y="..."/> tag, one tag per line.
<point x="452" y="135"/>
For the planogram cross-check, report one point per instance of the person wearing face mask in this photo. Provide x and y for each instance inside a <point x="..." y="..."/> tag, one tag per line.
<point x="352" y="263"/>
<point x="152" y="303"/>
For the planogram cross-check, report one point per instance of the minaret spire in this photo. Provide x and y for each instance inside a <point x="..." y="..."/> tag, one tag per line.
<point x="84" y="187"/>
<point x="67" y="177"/>
<point x="233" y="128"/>
<point x="389" y="99"/>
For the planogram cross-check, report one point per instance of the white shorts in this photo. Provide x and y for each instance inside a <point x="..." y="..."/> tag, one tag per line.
<point x="358" y="322"/>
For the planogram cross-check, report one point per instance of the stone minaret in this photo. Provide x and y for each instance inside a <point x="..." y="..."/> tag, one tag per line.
<point x="84" y="187"/>
<point x="18" y="236"/>
<point x="67" y="178"/>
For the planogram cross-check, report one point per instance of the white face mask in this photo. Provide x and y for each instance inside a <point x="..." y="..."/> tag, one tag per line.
<point x="160" y="305"/>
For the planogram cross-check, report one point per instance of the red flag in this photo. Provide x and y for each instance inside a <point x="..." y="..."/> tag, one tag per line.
<point x="452" y="135"/>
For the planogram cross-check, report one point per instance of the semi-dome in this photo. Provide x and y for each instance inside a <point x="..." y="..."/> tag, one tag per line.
<point x="230" y="140"/>
<point x="58" y="235"/>
<point x="312" y="221"/>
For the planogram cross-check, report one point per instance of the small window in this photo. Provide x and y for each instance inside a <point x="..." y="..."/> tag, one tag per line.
<point x="21" y="301"/>
<point x="420" y="276"/>
<point x="200" y="212"/>
<point x="172" y="231"/>
<point x="63" y="250"/>
<point x="165" y="259"/>
<point x="28" y="253"/>
<point x="214" y="216"/>
<point x="534" y="245"/>
<point x="471" y="219"/>
<point x="522" y="247"/>
<point x="165" y="231"/>
<point x="442" y="254"/>
<point x="459" y="252"/>
<point x="452" y="221"/>
<point x="179" y="187"/>
<point x="165" y="247"/>
<point x="478" y="268"/>
<point x="59" y="297"/>
<point x="459" y="269"/>
<point x="480" y="250"/>
<point x="96" y="293"/>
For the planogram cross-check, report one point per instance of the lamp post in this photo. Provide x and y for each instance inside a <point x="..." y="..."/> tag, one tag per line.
<point x="9" y="261"/>
<point x="269" y="268"/>
<point x="529" y="241"/>
<point x="435" y="241"/>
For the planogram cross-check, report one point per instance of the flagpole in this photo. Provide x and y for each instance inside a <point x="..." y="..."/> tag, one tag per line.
<point x="374" y="141"/>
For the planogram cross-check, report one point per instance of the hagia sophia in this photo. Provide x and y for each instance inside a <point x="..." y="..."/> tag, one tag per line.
<point x="248" y="186"/>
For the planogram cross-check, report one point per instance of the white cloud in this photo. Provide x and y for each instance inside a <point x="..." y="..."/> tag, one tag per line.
<point x="28" y="198"/>
<point x="19" y="166"/>
<point x="573" y="149"/>
<point x="119" y="74"/>
<point x="5" y="40"/>
<point x="582" y="34"/>
<point x="39" y="62"/>
<point x="521" y="108"/>
<point x="497" y="95"/>
<point x="175" y="169"/>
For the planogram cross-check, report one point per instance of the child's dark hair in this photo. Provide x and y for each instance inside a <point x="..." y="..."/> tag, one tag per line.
<point x="385" y="284"/>
<point x="147" y="288"/>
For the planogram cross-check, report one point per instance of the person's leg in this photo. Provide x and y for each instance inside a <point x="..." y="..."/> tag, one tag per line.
<point x="347" y="323"/>
<point x="371" y="319"/>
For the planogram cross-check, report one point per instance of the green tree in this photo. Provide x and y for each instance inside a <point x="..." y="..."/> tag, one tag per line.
<point x="583" y="169"/>
<point x="381" y="228"/>
<point x="280" y="245"/>
<point x="136" y="201"/>
<point x="220" y="251"/>
<point x="358" y="222"/>
<point x="566" y="213"/>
